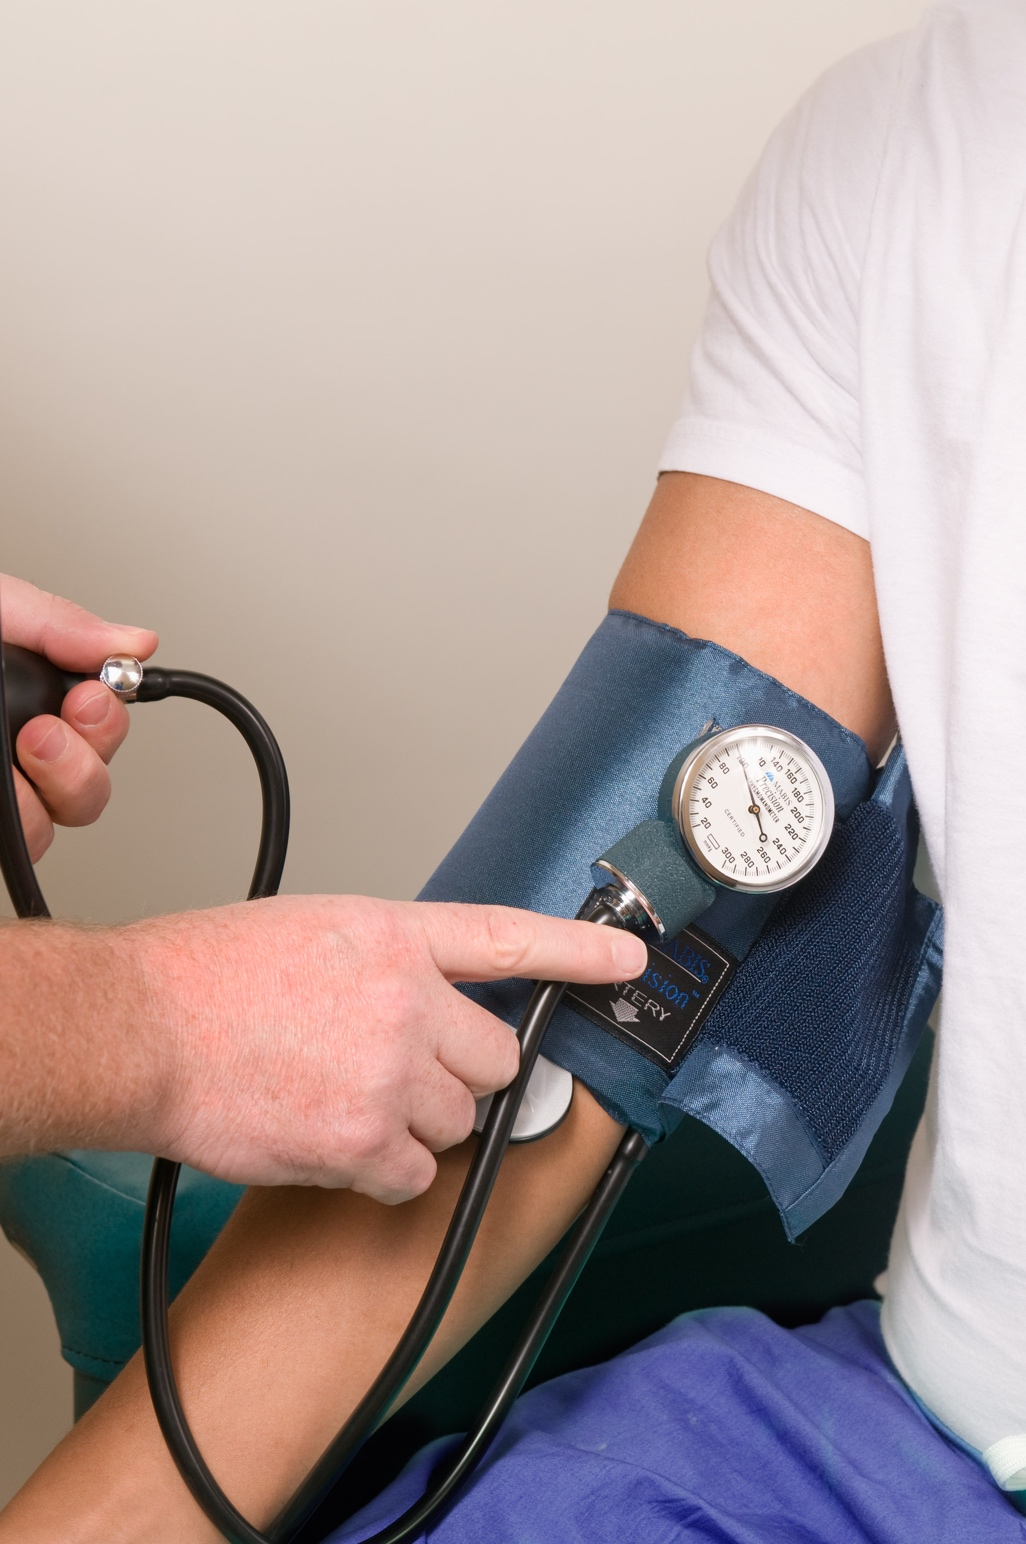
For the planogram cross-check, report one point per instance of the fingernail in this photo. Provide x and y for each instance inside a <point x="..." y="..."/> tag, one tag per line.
<point x="630" y="956"/>
<point x="94" y="710"/>
<point x="53" y="744"/>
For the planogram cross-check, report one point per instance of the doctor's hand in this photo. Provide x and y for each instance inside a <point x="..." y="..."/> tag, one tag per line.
<point x="65" y="759"/>
<point x="318" y="1039"/>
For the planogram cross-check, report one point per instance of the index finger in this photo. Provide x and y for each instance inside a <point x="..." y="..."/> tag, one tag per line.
<point x="67" y="634"/>
<point x="486" y="943"/>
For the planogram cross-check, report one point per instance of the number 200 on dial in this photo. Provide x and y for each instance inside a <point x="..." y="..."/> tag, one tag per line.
<point x="755" y="807"/>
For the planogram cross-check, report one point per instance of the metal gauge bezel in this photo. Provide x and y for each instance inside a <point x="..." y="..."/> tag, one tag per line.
<point x="707" y="748"/>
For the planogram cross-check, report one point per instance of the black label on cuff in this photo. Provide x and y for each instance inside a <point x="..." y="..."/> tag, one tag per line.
<point x="660" y="1012"/>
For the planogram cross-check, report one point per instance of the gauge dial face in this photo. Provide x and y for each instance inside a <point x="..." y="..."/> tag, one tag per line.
<point x="755" y="807"/>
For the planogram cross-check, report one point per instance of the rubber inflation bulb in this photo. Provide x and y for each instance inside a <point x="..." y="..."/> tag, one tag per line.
<point x="33" y="686"/>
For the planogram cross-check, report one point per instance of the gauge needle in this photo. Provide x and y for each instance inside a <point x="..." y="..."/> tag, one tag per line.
<point x="754" y="808"/>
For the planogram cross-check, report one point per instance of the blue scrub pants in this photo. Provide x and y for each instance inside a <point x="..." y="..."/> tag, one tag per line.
<point x="723" y="1428"/>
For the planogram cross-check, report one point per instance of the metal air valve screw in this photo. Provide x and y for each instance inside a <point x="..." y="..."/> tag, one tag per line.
<point x="123" y="675"/>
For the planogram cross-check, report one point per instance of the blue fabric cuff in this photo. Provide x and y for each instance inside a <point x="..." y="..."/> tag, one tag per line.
<point x="799" y="1060"/>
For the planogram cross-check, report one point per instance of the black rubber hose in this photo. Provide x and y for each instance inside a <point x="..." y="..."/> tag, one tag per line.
<point x="274" y="783"/>
<point x="156" y="1247"/>
<point x="15" y="863"/>
<point x="37" y="682"/>
<point x="585" y="1235"/>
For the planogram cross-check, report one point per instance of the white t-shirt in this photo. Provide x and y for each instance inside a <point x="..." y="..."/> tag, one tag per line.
<point x="864" y="355"/>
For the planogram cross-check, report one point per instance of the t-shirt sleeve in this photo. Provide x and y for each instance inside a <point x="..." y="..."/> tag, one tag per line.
<point x="773" y="400"/>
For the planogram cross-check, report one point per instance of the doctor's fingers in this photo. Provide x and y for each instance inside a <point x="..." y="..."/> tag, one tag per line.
<point x="391" y="1174"/>
<point x="442" y="1110"/>
<point x="94" y="713"/>
<point x="66" y="633"/>
<point x="486" y="943"/>
<point x="387" y="1141"/>
<point x="69" y="778"/>
<point x="473" y="1045"/>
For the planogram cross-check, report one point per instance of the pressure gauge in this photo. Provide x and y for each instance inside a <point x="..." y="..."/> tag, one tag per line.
<point x="755" y="808"/>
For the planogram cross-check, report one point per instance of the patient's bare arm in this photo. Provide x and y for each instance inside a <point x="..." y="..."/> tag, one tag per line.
<point x="790" y="592"/>
<point x="300" y="1302"/>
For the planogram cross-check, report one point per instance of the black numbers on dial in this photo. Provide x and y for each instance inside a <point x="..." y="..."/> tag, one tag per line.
<point x="753" y="811"/>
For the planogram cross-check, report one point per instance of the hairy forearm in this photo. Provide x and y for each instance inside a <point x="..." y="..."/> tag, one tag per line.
<point x="81" y="1063"/>
<point x="284" y="1327"/>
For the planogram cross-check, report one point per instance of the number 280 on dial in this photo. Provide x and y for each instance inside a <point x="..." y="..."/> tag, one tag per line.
<point x="755" y="807"/>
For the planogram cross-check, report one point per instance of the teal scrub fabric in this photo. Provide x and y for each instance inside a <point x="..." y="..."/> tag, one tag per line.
<point x="78" y="1217"/>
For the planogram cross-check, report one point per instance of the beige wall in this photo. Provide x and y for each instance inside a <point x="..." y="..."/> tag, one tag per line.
<point x="338" y="342"/>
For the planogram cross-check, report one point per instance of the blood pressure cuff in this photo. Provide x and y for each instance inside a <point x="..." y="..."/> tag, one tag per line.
<point x="785" y="1022"/>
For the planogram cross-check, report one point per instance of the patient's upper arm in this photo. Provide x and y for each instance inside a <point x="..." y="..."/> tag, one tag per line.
<point x="789" y="591"/>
